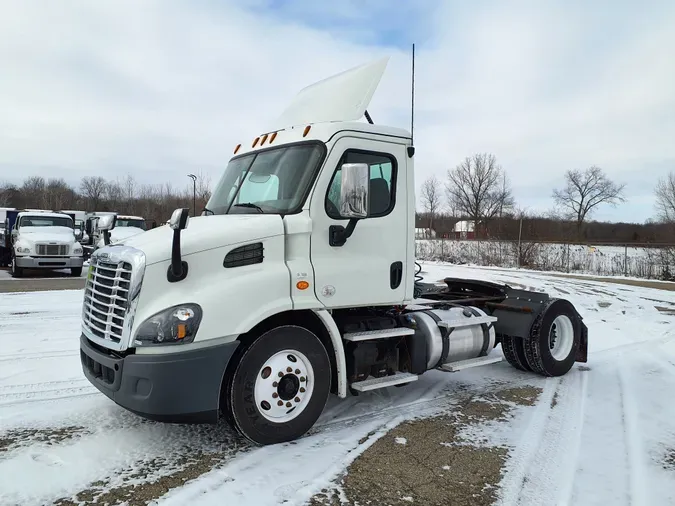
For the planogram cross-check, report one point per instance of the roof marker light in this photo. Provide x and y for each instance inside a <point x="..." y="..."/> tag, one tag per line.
<point x="307" y="128"/>
<point x="264" y="138"/>
<point x="274" y="136"/>
<point x="255" y="141"/>
<point x="237" y="148"/>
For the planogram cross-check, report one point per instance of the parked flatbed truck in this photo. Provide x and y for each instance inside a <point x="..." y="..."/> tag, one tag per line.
<point x="299" y="281"/>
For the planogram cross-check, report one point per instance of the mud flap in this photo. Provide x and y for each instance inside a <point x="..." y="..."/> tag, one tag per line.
<point x="582" y="351"/>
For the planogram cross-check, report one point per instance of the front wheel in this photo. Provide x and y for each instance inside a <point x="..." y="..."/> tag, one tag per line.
<point x="76" y="272"/>
<point x="15" y="270"/>
<point x="280" y="385"/>
<point x="554" y="339"/>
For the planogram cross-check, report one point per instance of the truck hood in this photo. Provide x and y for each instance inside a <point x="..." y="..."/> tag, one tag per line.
<point x="47" y="234"/>
<point x="119" y="234"/>
<point x="205" y="233"/>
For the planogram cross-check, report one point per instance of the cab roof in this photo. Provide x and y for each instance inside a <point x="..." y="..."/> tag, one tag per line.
<point x="42" y="214"/>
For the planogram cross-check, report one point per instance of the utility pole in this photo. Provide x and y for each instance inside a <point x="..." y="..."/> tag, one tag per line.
<point x="194" y="194"/>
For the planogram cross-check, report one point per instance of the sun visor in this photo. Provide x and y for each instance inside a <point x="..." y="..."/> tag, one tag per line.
<point x="342" y="97"/>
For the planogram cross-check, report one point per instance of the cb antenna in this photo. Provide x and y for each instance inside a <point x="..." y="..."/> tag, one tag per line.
<point x="411" y="149"/>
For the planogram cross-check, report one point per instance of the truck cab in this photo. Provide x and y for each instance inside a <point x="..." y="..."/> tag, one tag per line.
<point x="298" y="281"/>
<point x="44" y="240"/>
<point x="125" y="226"/>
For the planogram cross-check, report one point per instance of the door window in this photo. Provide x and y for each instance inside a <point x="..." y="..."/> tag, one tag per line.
<point x="382" y="183"/>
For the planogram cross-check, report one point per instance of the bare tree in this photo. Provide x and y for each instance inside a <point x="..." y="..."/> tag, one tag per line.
<point x="93" y="189"/>
<point x="431" y="198"/>
<point x="58" y="195"/>
<point x="665" y="198"/>
<point x="584" y="191"/>
<point x="479" y="189"/>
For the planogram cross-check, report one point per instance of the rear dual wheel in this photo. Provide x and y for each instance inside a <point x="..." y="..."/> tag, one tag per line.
<point x="551" y="347"/>
<point x="280" y="385"/>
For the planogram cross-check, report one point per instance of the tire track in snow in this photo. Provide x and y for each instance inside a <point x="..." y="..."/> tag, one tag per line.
<point x="545" y="460"/>
<point x="18" y="398"/>
<point x="38" y="356"/>
<point x="636" y="467"/>
<point x="32" y="387"/>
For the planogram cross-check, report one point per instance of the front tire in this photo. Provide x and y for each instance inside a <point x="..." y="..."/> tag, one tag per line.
<point x="16" y="271"/>
<point x="280" y="385"/>
<point x="76" y="272"/>
<point x="554" y="339"/>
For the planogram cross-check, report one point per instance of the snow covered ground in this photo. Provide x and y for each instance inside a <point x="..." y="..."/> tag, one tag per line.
<point x="603" y="434"/>
<point x="641" y="262"/>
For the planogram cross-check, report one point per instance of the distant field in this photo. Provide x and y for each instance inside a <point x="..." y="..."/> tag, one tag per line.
<point x="637" y="262"/>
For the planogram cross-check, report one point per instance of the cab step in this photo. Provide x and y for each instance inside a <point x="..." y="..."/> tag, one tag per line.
<point x="471" y="362"/>
<point x="467" y="322"/>
<point x="385" y="381"/>
<point x="368" y="335"/>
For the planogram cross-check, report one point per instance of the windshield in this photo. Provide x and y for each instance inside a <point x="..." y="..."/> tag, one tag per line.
<point x="124" y="222"/>
<point x="275" y="181"/>
<point x="45" y="221"/>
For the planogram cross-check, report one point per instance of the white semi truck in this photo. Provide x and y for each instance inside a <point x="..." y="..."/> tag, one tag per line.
<point x="299" y="281"/>
<point x="44" y="240"/>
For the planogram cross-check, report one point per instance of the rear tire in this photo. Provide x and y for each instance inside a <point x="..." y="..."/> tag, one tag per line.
<point x="515" y="353"/>
<point x="554" y="339"/>
<point x="262" y="380"/>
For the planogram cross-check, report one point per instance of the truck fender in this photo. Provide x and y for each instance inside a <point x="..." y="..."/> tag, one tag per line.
<point x="335" y="337"/>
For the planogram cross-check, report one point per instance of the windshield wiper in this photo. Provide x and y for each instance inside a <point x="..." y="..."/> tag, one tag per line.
<point x="250" y="204"/>
<point x="207" y="211"/>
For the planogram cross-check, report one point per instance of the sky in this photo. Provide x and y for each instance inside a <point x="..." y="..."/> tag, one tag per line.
<point x="163" y="88"/>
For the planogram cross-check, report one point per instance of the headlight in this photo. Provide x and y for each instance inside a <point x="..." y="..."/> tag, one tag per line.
<point x="175" y="325"/>
<point x="77" y="250"/>
<point x="22" y="249"/>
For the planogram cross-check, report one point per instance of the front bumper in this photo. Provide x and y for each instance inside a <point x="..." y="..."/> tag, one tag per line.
<point x="30" y="262"/>
<point x="181" y="387"/>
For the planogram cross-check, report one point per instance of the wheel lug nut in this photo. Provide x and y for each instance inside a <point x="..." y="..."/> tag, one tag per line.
<point x="281" y="374"/>
<point x="302" y="378"/>
<point x="280" y="403"/>
<point x="288" y="404"/>
<point x="289" y="369"/>
<point x="275" y="395"/>
<point x="297" y="371"/>
<point x="302" y="390"/>
<point x="275" y="384"/>
<point x="297" y="399"/>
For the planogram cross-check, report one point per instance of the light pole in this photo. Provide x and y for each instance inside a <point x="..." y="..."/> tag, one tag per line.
<point x="194" y="194"/>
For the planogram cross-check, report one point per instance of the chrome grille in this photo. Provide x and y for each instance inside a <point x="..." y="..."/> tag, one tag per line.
<point x="51" y="249"/>
<point x="106" y="299"/>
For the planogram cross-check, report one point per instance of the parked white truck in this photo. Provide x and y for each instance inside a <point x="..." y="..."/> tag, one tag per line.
<point x="44" y="240"/>
<point x="298" y="281"/>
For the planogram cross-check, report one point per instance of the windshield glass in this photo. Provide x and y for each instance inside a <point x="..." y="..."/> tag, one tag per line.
<point x="45" y="221"/>
<point x="124" y="222"/>
<point x="273" y="181"/>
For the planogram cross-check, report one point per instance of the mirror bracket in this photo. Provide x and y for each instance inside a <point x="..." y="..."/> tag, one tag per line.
<point x="178" y="268"/>
<point x="338" y="235"/>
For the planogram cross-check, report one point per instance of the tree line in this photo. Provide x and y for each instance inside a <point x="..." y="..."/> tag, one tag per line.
<point x="154" y="202"/>
<point x="478" y="190"/>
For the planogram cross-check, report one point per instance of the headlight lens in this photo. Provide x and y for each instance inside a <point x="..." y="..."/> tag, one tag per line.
<point x="175" y="325"/>
<point x="77" y="250"/>
<point x="22" y="249"/>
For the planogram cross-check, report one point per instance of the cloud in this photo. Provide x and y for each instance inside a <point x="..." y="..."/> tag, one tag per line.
<point x="163" y="88"/>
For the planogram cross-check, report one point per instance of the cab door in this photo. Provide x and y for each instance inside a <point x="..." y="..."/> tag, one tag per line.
<point x="370" y="268"/>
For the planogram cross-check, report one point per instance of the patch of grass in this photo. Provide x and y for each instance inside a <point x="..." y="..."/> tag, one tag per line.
<point x="436" y="465"/>
<point x="24" y="437"/>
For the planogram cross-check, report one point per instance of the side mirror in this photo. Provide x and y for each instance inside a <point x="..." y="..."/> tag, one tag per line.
<point x="178" y="268"/>
<point x="106" y="222"/>
<point x="179" y="219"/>
<point x="354" y="190"/>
